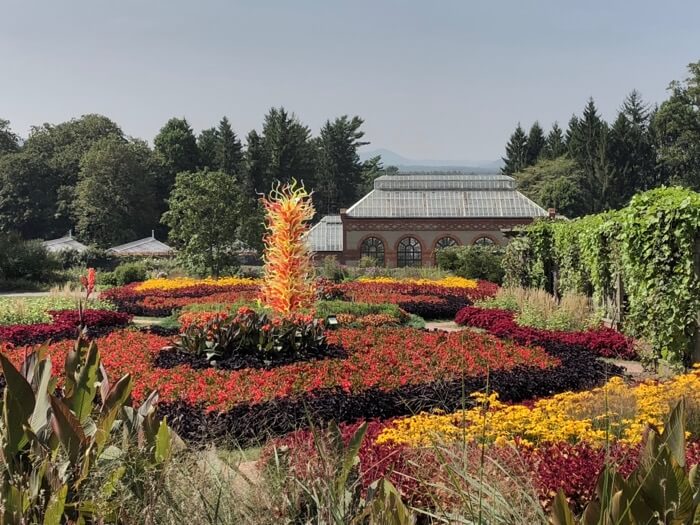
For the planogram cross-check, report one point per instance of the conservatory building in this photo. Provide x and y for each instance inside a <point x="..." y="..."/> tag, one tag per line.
<point x="406" y="218"/>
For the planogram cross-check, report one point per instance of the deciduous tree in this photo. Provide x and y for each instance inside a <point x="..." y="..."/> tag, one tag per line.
<point x="204" y="220"/>
<point x="114" y="199"/>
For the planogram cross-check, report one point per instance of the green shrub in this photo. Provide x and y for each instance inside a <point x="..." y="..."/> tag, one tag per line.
<point x="130" y="272"/>
<point x="472" y="262"/>
<point x="25" y="260"/>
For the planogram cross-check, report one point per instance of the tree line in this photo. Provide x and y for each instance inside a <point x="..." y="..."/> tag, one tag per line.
<point x="88" y="176"/>
<point x="594" y="166"/>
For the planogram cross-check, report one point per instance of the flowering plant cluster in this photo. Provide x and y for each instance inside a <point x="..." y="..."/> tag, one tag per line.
<point x="615" y="411"/>
<point x="445" y="282"/>
<point x="604" y="342"/>
<point x="64" y="325"/>
<point x="219" y="335"/>
<point x="161" y="302"/>
<point x="188" y="282"/>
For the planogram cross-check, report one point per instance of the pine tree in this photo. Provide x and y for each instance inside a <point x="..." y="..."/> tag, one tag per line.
<point x="516" y="152"/>
<point x="288" y="151"/>
<point x="570" y="129"/>
<point x="555" y="145"/>
<point x="253" y="183"/>
<point x="229" y="156"/>
<point x="588" y="148"/>
<point x="535" y="143"/>
<point x="338" y="166"/>
<point x="631" y="150"/>
<point x="208" y="143"/>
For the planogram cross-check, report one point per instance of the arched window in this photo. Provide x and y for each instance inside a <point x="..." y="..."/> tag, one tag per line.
<point x="445" y="242"/>
<point x="409" y="253"/>
<point x="484" y="241"/>
<point x="373" y="247"/>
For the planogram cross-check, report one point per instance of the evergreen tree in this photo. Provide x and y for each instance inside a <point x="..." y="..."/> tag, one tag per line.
<point x="114" y="196"/>
<point x="371" y="169"/>
<point x="570" y="129"/>
<point x="516" y="152"/>
<point x="229" y="158"/>
<point x="535" y="143"/>
<point x="288" y="151"/>
<point x="555" y="145"/>
<point x="631" y="151"/>
<point x="208" y="144"/>
<point x="588" y="148"/>
<point x="338" y="168"/>
<point x="253" y="184"/>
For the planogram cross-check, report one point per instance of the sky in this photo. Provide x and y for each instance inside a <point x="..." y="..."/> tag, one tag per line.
<point x="441" y="79"/>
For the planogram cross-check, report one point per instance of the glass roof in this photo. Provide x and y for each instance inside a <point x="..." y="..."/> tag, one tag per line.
<point x="444" y="181"/>
<point x="327" y="235"/>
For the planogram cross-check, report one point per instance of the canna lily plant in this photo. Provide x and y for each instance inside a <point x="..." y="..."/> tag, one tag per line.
<point x="288" y="283"/>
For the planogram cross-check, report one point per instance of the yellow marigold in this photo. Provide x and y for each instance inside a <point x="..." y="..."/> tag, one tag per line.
<point x="185" y="282"/>
<point x="613" y="411"/>
<point x="446" y="282"/>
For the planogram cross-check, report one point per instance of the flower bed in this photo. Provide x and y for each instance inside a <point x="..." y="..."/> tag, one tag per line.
<point x="188" y="282"/>
<point x="424" y="298"/>
<point x="160" y="302"/>
<point x="35" y="310"/>
<point x="604" y="342"/>
<point x="387" y="372"/>
<point x="419" y="472"/>
<point x="616" y="411"/>
<point x="64" y="325"/>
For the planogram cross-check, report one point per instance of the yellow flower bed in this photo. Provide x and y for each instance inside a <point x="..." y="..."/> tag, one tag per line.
<point x="447" y="282"/>
<point x="184" y="282"/>
<point x="613" y="411"/>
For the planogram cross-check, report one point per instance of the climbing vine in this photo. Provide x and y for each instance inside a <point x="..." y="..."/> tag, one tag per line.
<point x="651" y="244"/>
<point x="659" y="234"/>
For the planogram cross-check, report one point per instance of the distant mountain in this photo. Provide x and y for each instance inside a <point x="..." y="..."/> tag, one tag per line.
<point x="391" y="158"/>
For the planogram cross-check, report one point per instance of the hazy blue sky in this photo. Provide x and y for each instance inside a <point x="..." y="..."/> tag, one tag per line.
<point x="432" y="79"/>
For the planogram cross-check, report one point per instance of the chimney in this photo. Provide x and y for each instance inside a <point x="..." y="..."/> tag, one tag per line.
<point x="153" y="234"/>
<point x="70" y="234"/>
<point x="552" y="213"/>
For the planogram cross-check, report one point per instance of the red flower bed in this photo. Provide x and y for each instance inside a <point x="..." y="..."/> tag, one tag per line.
<point x="63" y="326"/>
<point x="430" y="302"/>
<point x="161" y="303"/>
<point x="604" y="342"/>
